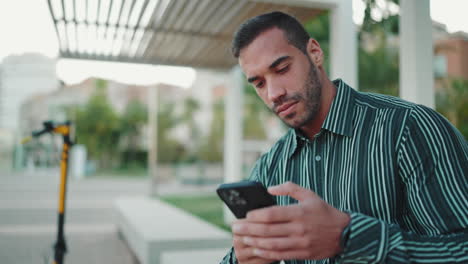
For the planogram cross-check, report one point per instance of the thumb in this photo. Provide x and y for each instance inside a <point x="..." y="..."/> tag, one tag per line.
<point x="291" y="189"/>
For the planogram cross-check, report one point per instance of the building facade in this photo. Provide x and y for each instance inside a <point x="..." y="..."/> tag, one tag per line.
<point x="21" y="77"/>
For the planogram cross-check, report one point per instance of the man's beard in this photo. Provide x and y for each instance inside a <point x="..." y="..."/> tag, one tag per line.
<point x="311" y="96"/>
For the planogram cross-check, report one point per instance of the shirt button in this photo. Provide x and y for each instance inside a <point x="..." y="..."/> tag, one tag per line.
<point x="318" y="158"/>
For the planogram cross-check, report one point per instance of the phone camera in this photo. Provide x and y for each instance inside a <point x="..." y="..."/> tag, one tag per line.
<point x="235" y="198"/>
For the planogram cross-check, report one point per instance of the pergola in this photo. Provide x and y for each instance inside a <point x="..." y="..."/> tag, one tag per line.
<point x="194" y="33"/>
<point x="198" y="33"/>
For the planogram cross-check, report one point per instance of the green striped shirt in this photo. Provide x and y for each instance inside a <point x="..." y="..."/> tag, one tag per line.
<point x="398" y="168"/>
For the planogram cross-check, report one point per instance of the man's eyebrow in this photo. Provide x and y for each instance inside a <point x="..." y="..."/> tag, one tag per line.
<point x="252" y="79"/>
<point x="272" y="65"/>
<point x="278" y="61"/>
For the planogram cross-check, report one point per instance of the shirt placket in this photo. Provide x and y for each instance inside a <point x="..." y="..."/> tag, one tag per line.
<point x="317" y="160"/>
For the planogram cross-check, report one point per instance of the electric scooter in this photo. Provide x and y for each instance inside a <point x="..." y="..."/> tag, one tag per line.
<point x="60" y="247"/>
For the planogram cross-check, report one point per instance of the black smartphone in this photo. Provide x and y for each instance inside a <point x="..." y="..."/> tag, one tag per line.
<point x="242" y="197"/>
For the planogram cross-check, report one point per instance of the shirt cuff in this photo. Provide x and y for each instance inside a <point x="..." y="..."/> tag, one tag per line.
<point x="366" y="240"/>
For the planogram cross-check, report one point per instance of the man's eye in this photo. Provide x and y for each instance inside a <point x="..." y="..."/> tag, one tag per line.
<point x="282" y="70"/>
<point x="259" y="84"/>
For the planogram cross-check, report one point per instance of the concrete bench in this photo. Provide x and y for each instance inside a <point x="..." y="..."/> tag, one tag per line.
<point x="158" y="233"/>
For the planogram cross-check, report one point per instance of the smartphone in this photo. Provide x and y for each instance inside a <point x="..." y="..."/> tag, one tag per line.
<point x="242" y="197"/>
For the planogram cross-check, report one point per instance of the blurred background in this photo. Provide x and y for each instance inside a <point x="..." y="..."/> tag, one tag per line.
<point x="36" y="85"/>
<point x="154" y="128"/>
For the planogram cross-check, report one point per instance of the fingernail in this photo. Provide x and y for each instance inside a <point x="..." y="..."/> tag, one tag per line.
<point x="236" y="228"/>
<point x="273" y="187"/>
<point x="257" y="252"/>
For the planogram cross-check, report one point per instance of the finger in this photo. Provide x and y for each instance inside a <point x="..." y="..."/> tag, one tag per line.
<point x="238" y="242"/>
<point x="287" y="254"/>
<point x="243" y="252"/>
<point x="275" y="214"/>
<point x="246" y="256"/>
<point x="257" y="261"/>
<point x="293" y="190"/>
<point x="241" y="222"/>
<point x="268" y="230"/>
<point x="276" y="243"/>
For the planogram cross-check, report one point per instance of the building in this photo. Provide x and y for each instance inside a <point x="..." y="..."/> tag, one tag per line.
<point x="451" y="56"/>
<point x="21" y="77"/>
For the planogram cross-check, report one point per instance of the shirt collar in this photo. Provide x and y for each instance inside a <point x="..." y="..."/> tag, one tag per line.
<point x="339" y="119"/>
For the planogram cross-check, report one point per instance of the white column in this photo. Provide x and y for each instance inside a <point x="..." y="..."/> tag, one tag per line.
<point x="153" y="137"/>
<point x="233" y="132"/>
<point x="233" y="127"/>
<point x="77" y="161"/>
<point x="416" y="73"/>
<point x="343" y="44"/>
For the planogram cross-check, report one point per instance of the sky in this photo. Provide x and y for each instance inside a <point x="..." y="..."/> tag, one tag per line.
<point x="26" y="26"/>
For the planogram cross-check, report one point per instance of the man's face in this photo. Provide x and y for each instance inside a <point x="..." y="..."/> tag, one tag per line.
<point x="285" y="78"/>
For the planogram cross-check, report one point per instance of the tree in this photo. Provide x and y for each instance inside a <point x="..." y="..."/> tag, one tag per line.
<point x="97" y="127"/>
<point x="319" y="29"/>
<point x="212" y="147"/>
<point x="379" y="61"/>
<point x="255" y="111"/>
<point x="191" y="106"/>
<point x="388" y="22"/>
<point x="169" y="149"/>
<point x="135" y="116"/>
<point x="452" y="102"/>
<point x="378" y="68"/>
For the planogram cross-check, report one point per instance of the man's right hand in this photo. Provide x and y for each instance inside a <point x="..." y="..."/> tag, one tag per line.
<point x="244" y="253"/>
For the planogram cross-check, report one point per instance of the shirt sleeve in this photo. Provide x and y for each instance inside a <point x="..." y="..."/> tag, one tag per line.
<point x="230" y="258"/>
<point x="433" y="165"/>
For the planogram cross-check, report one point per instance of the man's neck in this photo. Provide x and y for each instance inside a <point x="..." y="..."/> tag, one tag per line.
<point x="328" y="94"/>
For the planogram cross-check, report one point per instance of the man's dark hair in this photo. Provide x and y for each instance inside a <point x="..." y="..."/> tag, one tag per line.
<point x="250" y="29"/>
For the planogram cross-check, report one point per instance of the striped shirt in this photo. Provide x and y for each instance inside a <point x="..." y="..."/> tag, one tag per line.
<point x="399" y="169"/>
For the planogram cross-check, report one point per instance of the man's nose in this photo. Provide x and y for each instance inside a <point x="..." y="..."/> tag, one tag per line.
<point x="275" y="92"/>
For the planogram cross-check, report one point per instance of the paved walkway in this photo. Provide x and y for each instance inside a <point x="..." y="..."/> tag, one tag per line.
<point x="28" y="217"/>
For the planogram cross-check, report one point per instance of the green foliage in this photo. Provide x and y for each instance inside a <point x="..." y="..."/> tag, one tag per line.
<point x="134" y="117"/>
<point x="207" y="207"/>
<point x="112" y="139"/>
<point x="212" y="147"/>
<point x="389" y="23"/>
<point x="191" y="106"/>
<point x="379" y="70"/>
<point x="319" y="29"/>
<point x="100" y="84"/>
<point x="378" y="66"/>
<point x="255" y="111"/>
<point x="452" y="102"/>
<point x="169" y="149"/>
<point x="97" y="127"/>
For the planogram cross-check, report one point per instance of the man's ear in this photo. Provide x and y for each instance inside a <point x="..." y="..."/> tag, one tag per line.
<point x="314" y="52"/>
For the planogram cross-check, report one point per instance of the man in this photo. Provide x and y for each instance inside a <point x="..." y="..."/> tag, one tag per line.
<point x="359" y="178"/>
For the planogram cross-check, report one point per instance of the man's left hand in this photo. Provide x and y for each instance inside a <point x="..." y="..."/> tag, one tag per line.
<point x="310" y="229"/>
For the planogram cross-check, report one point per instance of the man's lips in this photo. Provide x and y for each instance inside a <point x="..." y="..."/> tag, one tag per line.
<point x="285" y="108"/>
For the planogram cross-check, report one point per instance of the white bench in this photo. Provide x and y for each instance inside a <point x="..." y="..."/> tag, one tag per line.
<point x="158" y="233"/>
